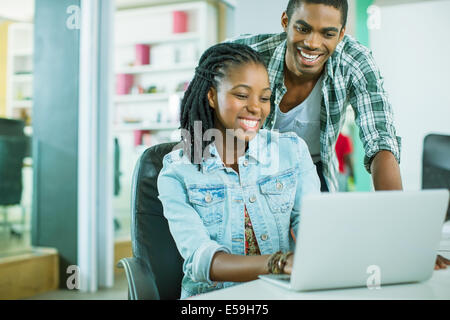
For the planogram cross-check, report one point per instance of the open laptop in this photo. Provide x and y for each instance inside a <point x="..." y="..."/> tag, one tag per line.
<point x="364" y="239"/>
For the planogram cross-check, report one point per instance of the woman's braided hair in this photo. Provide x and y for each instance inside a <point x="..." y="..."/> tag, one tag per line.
<point x="213" y="65"/>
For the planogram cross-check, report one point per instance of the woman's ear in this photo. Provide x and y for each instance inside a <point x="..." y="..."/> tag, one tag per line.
<point x="212" y="97"/>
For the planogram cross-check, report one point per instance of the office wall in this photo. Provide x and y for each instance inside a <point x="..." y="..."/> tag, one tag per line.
<point x="258" y="16"/>
<point x="55" y="132"/>
<point x="264" y="16"/>
<point x="412" y="50"/>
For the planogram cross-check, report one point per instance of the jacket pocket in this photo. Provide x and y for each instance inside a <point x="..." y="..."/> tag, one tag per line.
<point x="209" y="202"/>
<point x="279" y="191"/>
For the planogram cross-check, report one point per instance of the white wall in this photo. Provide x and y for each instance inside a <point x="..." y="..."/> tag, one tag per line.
<point x="412" y="49"/>
<point x="258" y="16"/>
<point x="264" y="16"/>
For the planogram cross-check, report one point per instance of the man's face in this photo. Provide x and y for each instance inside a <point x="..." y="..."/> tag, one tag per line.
<point x="313" y="33"/>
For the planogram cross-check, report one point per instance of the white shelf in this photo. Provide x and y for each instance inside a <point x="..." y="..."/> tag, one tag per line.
<point x="147" y="97"/>
<point x="22" y="78"/>
<point x="156" y="69"/>
<point x="173" y="59"/>
<point x="22" y="103"/>
<point x="22" y="53"/>
<point x="171" y="38"/>
<point x="146" y="126"/>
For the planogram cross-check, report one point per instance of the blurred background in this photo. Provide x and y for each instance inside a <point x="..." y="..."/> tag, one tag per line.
<point x="87" y="86"/>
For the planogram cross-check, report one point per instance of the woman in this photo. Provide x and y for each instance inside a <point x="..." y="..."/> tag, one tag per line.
<point x="232" y="194"/>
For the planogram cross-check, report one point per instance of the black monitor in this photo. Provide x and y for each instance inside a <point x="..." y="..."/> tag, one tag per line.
<point x="436" y="163"/>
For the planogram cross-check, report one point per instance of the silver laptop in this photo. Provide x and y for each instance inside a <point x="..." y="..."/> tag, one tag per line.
<point x="366" y="239"/>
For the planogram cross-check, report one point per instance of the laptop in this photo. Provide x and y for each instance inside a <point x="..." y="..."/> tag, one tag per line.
<point x="365" y="239"/>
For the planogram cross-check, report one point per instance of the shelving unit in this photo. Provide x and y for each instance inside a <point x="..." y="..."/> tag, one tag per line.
<point x="173" y="58"/>
<point x="19" y="89"/>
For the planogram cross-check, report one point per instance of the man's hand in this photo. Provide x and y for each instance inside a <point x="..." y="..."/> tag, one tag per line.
<point x="441" y="263"/>
<point x="385" y="172"/>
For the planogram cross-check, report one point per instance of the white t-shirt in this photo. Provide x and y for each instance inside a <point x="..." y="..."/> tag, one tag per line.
<point x="304" y="120"/>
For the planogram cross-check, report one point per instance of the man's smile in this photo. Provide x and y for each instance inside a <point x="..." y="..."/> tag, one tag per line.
<point x="309" y="58"/>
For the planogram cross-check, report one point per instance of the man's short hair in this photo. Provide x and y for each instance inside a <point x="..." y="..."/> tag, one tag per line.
<point x="341" y="5"/>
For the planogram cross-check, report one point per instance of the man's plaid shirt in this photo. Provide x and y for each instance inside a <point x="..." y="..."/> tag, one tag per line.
<point x="351" y="77"/>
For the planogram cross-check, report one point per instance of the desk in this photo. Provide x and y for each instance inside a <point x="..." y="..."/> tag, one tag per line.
<point x="438" y="287"/>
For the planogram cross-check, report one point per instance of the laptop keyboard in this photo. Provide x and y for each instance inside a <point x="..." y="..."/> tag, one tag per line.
<point x="281" y="277"/>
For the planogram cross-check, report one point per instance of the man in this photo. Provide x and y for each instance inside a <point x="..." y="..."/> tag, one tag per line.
<point x="315" y="72"/>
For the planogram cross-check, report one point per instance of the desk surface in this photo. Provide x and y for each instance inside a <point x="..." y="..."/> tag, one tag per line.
<point x="438" y="287"/>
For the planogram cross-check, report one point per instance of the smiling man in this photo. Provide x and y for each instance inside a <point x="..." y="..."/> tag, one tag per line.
<point x="316" y="71"/>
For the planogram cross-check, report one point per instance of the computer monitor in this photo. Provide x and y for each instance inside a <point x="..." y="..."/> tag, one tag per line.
<point x="436" y="163"/>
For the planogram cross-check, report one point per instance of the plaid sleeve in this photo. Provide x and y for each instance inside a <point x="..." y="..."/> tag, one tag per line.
<point x="373" y="111"/>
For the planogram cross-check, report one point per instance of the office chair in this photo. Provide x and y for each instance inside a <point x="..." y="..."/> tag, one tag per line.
<point x="155" y="270"/>
<point x="436" y="163"/>
<point x="12" y="152"/>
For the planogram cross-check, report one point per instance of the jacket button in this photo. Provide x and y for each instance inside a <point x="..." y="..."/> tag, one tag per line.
<point x="208" y="198"/>
<point x="264" y="237"/>
<point x="279" y="186"/>
<point x="245" y="163"/>
<point x="252" y="199"/>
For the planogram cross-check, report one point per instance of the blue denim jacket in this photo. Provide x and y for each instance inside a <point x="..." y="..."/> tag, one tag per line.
<point x="205" y="208"/>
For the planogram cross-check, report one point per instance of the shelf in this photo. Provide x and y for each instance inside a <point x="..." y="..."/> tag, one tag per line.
<point x="22" y="53"/>
<point x="156" y="69"/>
<point x="22" y="103"/>
<point x="22" y="78"/>
<point x="146" y="126"/>
<point x="145" y="97"/>
<point x="180" y="37"/>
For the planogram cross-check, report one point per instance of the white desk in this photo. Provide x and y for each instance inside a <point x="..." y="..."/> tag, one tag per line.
<point x="438" y="287"/>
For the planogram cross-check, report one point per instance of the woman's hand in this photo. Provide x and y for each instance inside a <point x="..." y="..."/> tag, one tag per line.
<point x="288" y="266"/>
<point x="441" y="263"/>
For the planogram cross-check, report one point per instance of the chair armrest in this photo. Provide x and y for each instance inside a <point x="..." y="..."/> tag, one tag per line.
<point x="141" y="281"/>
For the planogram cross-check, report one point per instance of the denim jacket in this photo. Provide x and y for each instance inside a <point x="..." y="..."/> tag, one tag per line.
<point x="205" y="208"/>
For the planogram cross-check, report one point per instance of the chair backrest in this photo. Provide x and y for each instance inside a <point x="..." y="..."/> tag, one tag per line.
<point x="11" y="127"/>
<point x="152" y="242"/>
<point x="436" y="163"/>
<point x="15" y="127"/>
<point x="12" y="152"/>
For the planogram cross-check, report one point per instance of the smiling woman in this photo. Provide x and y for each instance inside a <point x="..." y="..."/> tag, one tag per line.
<point x="231" y="208"/>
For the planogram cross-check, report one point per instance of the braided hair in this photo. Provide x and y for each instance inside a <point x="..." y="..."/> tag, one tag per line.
<point x="195" y="109"/>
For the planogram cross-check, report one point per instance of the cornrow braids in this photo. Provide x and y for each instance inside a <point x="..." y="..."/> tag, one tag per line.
<point x="196" y="115"/>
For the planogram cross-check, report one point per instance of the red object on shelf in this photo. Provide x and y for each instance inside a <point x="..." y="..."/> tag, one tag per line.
<point x="138" y="136"/>
<point x="180" y="22"/>
<point x="124" y="82"/>
<point x="142" y="54"/>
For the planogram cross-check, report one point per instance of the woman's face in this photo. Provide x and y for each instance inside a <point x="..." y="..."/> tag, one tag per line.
<point x="241" y="101"/>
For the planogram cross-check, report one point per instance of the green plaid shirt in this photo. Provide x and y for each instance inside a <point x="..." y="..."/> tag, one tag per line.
<point x="351" y="77"/>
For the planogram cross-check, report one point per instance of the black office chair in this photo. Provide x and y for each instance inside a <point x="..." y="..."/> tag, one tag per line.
<point x="155" y="270"/>
<point x="12" y="152"/>
<point x="436" y="163"/>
